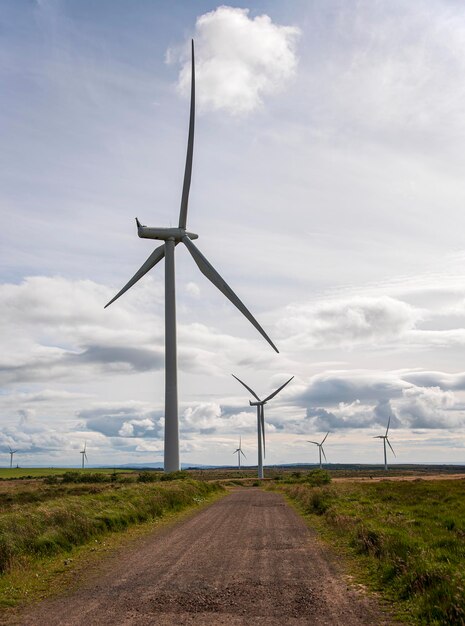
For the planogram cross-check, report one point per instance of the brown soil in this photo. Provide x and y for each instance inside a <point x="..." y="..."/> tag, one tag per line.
<point x="247" y="559"/>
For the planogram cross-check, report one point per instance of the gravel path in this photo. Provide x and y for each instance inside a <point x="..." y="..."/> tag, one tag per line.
<point x="247" y="559"/>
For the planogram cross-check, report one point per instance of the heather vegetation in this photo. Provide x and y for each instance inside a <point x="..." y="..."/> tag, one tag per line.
<point x="408" y="539"/>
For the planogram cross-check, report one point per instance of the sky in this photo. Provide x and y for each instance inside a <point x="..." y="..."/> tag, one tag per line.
<point x="327" y="190"/>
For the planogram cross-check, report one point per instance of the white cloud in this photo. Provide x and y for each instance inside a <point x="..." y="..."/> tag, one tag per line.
<point x="203" y="418"/>
<point x="393" y="72"/>
<point x="361" y="399"/>
<point x="348" y="321"/>
<point x="193" y="289"/>
<point x="239" y="59"/>
<point x="57" y="329"/>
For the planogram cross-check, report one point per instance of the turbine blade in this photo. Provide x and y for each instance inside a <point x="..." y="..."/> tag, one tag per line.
<point x="262" y="420"/>
<point x="210" y="272"/>
<point x="153" y="259"/>
<point x="272" y="395"/>
<point x="378" y="436"/>
<point x="243" y="454"/>
<point x="325" y="438"/>
<point x="247" y="387"/>
<point x="190" y="151"/>
<point x="315" y="442"/>
<point x="389" y="444"/>
<point x="323" y="450"/>
<point x="387" y="429"/>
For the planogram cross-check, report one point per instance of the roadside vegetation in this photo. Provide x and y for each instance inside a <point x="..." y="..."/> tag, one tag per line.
<point x="39" y="472"/>
<point x="44" y="518"/>
<point x="407" y="539"/>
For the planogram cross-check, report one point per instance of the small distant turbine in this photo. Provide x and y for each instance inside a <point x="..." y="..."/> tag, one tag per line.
<point x="12" y="452"/>
<point x="385" y="439"/>
<point x="320" y="448"/>
<point x="239" y="452"/>
<point x="261" y="419"/>
<point x="84" y="455"/>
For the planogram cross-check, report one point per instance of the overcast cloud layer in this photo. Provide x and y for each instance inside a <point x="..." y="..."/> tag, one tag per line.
<point x="327" y="190"/>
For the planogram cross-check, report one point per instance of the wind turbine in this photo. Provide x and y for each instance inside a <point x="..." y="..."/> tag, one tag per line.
<point x="84" y="455"/>
<point x="12" y="452"/>
<point x="320" y="448"/>
<point x="261" y="419"/>
<point x="386" y="439"/>
<point x="171" y="238"/>
<point x="239" y="452"/>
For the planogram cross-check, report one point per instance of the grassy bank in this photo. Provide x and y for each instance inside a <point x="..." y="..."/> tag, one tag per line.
<point x="406" y="539"/>
<point x="42" y="521"/>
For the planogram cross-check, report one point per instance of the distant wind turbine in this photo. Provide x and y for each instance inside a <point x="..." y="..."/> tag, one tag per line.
<point x="385" y="439"/>
<point x="12" y="452"/>
<point x="239" y="452"/>
<point x="84" y="455"/>
<point x="261" y="419"/>
<point x="320" y="448"/>
<point x="171" y="238"/>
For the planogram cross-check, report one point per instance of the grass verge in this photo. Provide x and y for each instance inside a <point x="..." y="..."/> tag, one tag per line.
<point x="40" y="541"/>
<point x="405" y="539"/>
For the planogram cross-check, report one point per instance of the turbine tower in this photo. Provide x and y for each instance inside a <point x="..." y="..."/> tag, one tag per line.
<point x="84" y="455"/>
<point x="171" y="238"/>
<point x="239" y="452"/>
<point x="386" y="439"/>
<point x="261" y="419"/>
<point x="320" y="448"/>
<point x="12" y="452"/>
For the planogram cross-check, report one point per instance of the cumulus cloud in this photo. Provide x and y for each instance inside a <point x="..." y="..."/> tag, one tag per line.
<point x="363" y="399"/>
<point x="203" y="418"/>
<point x="332" y="388"/>
<point x="34" y="439"/>
<point x="131" y="419"/>
<point x="348" y="322"/>
<point x="56" y="329"/>
<point x="429" y="407"/>
<point x="443" y="380"/>
<point x="239" y="59"/>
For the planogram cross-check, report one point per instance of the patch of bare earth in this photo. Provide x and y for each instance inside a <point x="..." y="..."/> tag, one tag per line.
<point x="247" y="559"/>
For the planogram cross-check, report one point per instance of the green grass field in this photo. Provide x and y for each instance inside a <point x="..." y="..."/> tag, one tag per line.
<point x="406" y="539"/>
<point x="37" y="472"/>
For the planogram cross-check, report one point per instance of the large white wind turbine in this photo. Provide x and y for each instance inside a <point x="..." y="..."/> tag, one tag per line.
<point x="12" y="452"/>
<point x="385" y="439"/>
<point x="320" y="448"/>
<point x="261" y="419"/>
<point x="84" y="455"/>
<point x="171" y="237"/>
<point x="239" y="452"/>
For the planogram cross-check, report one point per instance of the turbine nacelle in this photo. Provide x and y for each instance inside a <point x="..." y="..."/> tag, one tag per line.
<point x="163" y="234"/>
<point x="260" y="403"/>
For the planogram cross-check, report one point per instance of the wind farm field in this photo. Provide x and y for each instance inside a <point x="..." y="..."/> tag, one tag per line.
<point x="400" y="536"/>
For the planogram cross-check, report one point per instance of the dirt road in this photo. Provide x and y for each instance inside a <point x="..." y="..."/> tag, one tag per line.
<point x="248" y="559"/>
